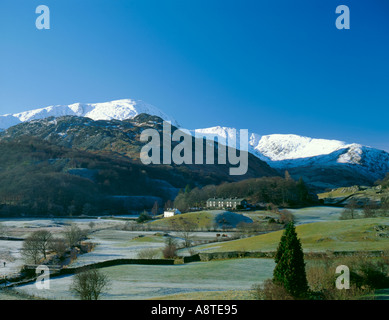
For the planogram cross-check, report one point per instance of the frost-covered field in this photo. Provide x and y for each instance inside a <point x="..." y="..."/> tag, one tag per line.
<point x="10" y="251"/>
<point x="23" y="226"/>
<point x="10" y="254"/>
<point x="143" y="281"/>
<point x="317" y="214"/>
<point x="151" y="281"/>
<point x="111" y="241"/>
<point x="118" y="244"/>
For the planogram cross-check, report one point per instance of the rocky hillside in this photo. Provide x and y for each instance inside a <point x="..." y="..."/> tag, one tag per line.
<point x="76" y="165"/>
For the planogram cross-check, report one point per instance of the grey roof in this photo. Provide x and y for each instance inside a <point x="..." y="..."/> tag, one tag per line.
<point x="226" y="199"/>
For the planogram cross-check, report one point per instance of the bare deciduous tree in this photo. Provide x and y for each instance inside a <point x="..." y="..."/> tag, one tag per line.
<point x="185" y="229"/>
<point x="91" y="225"/>
<point x="31" y="249"/>
<point x="350" y="210"/>
<point x="155" y="209"/>
<point x="3" y="230"/>
<point x="169" y="252"/>
<point x="73" y="235"/>
<point x="58" y="246"/>
<point x="286" y="216"/>
<point x="37" y="245"/>
<point x="44" y="238"/>
<point x="90" y="284"/>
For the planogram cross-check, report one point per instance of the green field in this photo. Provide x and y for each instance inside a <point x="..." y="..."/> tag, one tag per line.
<point x="211" y="295"/>
<point x="358" y="234"/>
<point x="357" y="193"/>
<point x="319" y="229"/>
<point x="202" y="219"/>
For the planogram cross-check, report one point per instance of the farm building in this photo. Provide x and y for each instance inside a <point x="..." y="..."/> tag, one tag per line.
<point x="232" y="203"/>
<point x="170" y="213"/>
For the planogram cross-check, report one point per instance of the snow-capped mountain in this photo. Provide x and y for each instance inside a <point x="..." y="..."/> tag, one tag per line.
<point x="304" y="156"/>
<point x="278" y="147"/>
<point x="118" y="110"/>
<point x="321" y="162"/>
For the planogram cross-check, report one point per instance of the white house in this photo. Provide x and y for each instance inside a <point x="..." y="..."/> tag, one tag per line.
<point x="171" y="212"/>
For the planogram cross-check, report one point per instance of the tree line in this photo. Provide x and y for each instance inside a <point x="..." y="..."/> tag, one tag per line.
<point x="278" y="191"/>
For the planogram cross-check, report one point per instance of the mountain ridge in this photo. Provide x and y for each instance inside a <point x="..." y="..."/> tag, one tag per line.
<point x="324" y="163"/>
<point x="313" y="158"/>
<point x="118" y="136"/>
<point x="112" y="110"/>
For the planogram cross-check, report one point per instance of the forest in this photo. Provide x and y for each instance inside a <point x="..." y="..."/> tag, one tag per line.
<point x="278" y="191"/>
<point x="40" y="178"/>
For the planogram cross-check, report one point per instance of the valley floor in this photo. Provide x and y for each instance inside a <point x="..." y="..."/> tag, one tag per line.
<point x="319" y="229"/>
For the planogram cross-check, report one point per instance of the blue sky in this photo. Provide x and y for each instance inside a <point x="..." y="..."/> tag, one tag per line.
<point x="268" y="66"/>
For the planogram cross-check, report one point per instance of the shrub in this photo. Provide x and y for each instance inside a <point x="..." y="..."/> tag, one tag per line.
<point x="271" y="291"/>
<point x="374" y="275"/>
<point x="58" y="245"/>
<point x="370" y="209"/>
<point x="286" y="216"/>
<point x="366" y="275"/>
<point x="144" y="216"/>
<point x="89" y="284"/>
<point x="148" y="253"/>
<point x="169" y="252"/>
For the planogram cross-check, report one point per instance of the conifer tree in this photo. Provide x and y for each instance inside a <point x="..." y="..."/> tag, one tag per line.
<point x="290" y="269"/>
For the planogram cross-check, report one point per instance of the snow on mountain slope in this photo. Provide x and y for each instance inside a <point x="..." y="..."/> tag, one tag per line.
<point x="118" y="109"/>
<point x="278" y="147"/>
<point x="284" y="151"/>
<point x="280" y="151"/>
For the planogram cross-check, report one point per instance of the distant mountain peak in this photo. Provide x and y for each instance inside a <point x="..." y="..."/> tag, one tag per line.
<point x="278" y="147"/>
<point x="317" y="160"/>
<point x="112" y="110"/>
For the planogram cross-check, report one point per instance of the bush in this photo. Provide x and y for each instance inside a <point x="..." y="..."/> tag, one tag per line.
<point x="148" y="253"/>
<point x="286" y="216"/>
<point x="58" y="245"/>
<point x="144" y="216"/>
<point x="374" y="275"/>
<point x="366" y="275"/>
<point x="271" y="291"/>
<point x="370" y="209"/>
<point x="169" y="252"/>
<point x="89" y="284"/>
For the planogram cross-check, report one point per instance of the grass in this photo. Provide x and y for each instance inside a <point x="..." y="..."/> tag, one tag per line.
<point x="316" y="214"/>
<point x="345" y="235"/>
<point x="211" y="295"/>
<point x="12" y="294"/>
<point x="202" y="219"/>
<point x="147" y="239"/>
<point x="371" y="193"/>
<point x="337" y="193"/>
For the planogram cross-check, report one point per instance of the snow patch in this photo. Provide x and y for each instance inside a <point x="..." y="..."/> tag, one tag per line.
<point x="118" y="110"/>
